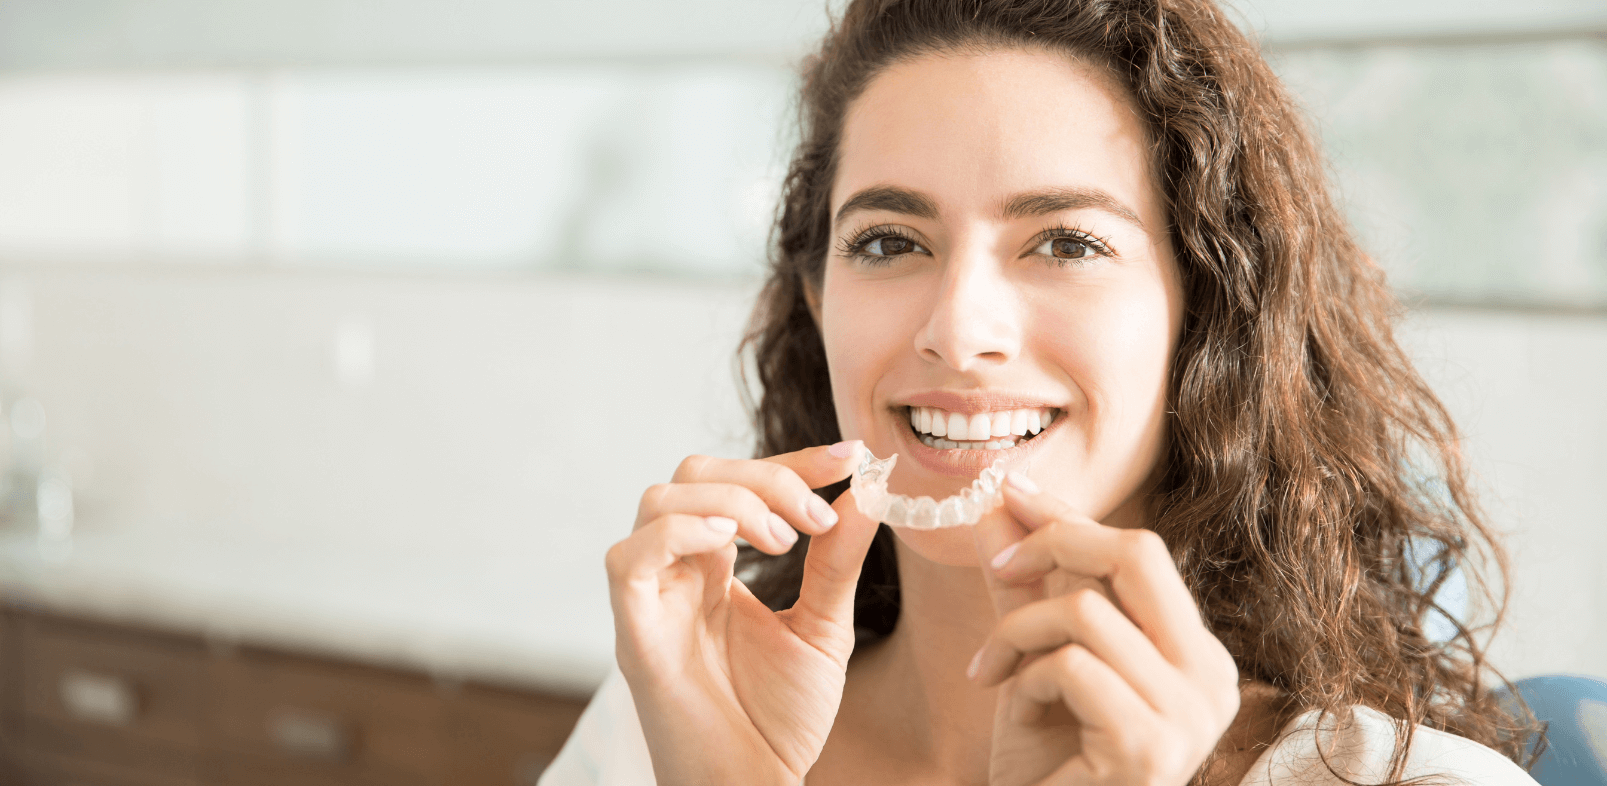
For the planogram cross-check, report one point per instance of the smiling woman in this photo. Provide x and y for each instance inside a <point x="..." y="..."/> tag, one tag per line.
<point x="1089" y="240"/>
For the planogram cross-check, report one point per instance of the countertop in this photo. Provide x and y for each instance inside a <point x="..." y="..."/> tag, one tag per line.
<point x="523" y="616"/>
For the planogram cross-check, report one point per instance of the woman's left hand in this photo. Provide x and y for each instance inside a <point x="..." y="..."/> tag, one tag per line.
<point x="1106" y="672"/>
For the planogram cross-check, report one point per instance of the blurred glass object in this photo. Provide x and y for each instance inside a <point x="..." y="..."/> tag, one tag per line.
<point x="54" y="508"/>
<point x="354" y="351"/>
<point x="38" y="492"/>
<point x="1475" y="172"/>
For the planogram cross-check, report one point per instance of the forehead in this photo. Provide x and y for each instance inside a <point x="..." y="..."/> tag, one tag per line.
<point x="972" y="129"/>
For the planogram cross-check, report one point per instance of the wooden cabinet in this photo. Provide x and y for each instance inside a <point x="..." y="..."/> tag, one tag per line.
<point x="291" y="720"/>
<point x="109" y="700"/>
<point x="501" y="737"/>
<point x="91" y="704"/>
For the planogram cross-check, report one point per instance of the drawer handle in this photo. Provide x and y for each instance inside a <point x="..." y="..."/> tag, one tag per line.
<point x="309" y="735"/>
<point x="99" y="698"/>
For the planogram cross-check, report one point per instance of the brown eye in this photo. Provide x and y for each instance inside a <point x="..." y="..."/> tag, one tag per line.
<point x="889" y="246"/>
<point x="1074" y="250"/>
<point x="1069" y="248"/>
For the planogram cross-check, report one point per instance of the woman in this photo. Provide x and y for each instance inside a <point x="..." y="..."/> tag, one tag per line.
<point x="1210" y="566"/>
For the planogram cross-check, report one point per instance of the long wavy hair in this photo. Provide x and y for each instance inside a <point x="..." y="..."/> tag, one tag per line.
<point x="1313" y="493"/>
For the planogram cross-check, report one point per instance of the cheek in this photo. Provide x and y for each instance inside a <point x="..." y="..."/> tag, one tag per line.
<point x="1116" y="346"/>
<point x="864" y="326"/>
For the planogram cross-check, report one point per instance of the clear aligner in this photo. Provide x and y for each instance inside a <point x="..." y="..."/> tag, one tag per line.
<point x="960" y="510"/>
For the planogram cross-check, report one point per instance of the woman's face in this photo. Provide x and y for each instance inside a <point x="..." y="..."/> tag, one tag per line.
<point x="1001" y="250"/>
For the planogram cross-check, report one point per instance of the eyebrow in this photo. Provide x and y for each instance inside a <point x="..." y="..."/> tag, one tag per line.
<point x="1054" y="200"/>
<point x="1025" y="205"/>
<point x="889" y="198"/>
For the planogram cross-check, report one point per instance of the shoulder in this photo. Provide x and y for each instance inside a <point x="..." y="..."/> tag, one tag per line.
<point x="1358" y="745"/>
<point x="607" y="747"/>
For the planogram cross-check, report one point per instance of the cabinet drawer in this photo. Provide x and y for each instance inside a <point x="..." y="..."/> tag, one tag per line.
<point x="280" y="719"/>
<point x="108" y="695"/>
<point x="506" y="738"/>
<point x="78" y="773"/>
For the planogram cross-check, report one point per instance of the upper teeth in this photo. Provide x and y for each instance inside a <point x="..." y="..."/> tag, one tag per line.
<point x="982" y="426"/>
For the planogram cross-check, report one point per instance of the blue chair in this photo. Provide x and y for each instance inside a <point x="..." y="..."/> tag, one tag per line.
<point x="1575" y="711"/>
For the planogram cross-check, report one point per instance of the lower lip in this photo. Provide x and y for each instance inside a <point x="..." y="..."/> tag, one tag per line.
<point x="966" y="462"/>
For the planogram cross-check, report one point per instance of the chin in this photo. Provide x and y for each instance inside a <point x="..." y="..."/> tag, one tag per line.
<point x="953" y="547"/>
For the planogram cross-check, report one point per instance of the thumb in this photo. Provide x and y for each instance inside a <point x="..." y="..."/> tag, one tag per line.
<point x="831" y="569"/>
<point x="997" y="531"/>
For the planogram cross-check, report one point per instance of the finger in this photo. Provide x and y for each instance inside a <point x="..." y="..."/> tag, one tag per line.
<point x="755" y="521"/>
<point x="718" y="568"/>
<point x="823" y="465"/>
<point x="635" y="563"/>
<point x="781" y="488"/>
<point x="831" y="572"/>
<point x="1100" y="699"/>
<point x="1089" y="619"/>
<point x="1135" y="562"/>
<point x="995" y="532"/>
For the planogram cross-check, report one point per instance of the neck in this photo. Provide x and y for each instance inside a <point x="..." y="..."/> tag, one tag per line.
<point x="916" y="677"/>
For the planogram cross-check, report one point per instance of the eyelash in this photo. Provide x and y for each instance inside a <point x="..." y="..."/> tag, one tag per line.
<point x="1100" y="246"/>
<point x="855" y="249"/>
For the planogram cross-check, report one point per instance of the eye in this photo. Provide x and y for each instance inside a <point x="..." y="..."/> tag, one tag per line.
<point x="890" y="246"/>
<point x="1071" y="246"/>
<point x="1065" y="248"/>
<point x="880" y="245"/>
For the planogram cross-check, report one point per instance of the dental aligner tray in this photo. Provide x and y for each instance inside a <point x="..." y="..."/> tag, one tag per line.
<point x="964" y="509"/>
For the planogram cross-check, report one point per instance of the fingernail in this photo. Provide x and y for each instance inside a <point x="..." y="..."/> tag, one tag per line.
<point x="1003" y="558"/>
<point x="783" y="532"/>
<point x="976" y="664"/>
<point x="1021" y="482"/>
<point x="843" y="449"/>
<point x="820" y="511"/>
<point x="721" y="524"/>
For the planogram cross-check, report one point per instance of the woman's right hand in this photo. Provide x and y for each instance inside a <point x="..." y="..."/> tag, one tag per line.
<point x="727" y="690"/>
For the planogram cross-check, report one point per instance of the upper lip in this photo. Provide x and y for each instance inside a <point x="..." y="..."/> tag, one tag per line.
<point x="974" y="402"/>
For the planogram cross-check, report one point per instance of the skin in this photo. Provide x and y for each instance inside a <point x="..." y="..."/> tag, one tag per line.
<point x="1090" y="660"/>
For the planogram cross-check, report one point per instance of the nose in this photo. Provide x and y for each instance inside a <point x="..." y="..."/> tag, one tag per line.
<point x="975" y="320"/>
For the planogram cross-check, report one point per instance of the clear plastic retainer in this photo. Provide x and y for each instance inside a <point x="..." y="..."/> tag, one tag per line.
<point x="964" y="509"/>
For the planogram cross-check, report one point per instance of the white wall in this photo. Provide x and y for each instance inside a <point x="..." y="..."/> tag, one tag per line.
<point x="452" y="168"/>
<point x="1527" y="392"/>
<point x="79" y="34"/>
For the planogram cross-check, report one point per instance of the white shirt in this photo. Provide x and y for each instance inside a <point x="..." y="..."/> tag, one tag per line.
<point x="607" y="749"/>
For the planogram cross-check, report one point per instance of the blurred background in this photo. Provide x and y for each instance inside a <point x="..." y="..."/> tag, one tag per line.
<point x="338" y="339"/>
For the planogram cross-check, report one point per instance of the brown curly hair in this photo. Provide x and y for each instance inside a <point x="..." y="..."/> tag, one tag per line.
<point x="1292" y="494"/>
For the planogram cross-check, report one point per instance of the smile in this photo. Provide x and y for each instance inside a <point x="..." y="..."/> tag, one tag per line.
<point x="1000" y="430"/>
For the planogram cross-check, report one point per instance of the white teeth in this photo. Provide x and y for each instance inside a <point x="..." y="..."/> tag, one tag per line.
<point x="945" y="444"/>
<point x="981" y="427"/>
<point x="959" y="426"/>
<point x="976" y="432"/>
